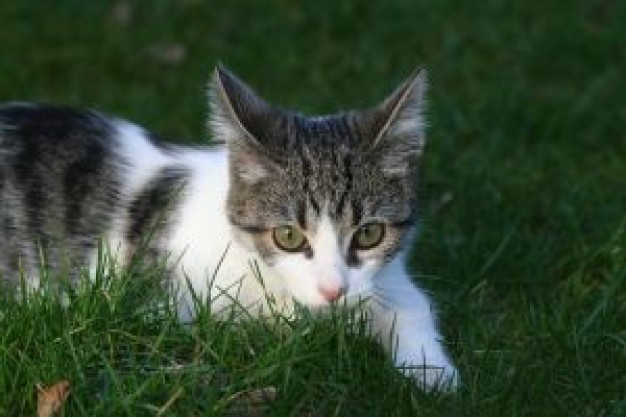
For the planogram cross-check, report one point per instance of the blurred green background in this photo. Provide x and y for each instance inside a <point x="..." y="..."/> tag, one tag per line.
<point x="524" y="179"/>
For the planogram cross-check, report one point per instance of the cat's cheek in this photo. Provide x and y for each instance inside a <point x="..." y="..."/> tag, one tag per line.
<point x="361" y="280"/>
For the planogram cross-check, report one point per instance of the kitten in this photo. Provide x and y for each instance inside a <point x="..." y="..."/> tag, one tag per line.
<point x="323" y="206"/>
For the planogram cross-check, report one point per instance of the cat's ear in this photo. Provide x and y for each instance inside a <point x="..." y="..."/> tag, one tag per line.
<point x="238" y="117"/>
<point x="399" y="125"/>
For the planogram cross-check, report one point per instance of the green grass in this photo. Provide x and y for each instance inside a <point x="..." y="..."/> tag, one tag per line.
<point x="527" y="262"/>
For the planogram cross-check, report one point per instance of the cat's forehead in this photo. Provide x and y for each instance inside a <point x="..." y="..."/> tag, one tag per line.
<point x="296" y="133"/>
<point x="324" y="131"/>
<point x="325" y="172"/>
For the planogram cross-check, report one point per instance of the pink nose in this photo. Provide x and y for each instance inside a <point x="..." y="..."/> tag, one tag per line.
<point x="330" y="294"/>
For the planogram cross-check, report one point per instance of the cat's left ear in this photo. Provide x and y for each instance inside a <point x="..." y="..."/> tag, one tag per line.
<point x="241" y="119"/>
<point x="400" y="126"/>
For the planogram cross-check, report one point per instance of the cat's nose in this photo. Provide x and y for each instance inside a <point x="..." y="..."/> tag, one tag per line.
<point x="331" y="294"/>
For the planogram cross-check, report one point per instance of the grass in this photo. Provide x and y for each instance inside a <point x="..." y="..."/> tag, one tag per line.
<point x="527" y="262"/>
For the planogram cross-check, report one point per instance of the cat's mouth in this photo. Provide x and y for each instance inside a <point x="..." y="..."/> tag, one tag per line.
<point x="349" y="301"/>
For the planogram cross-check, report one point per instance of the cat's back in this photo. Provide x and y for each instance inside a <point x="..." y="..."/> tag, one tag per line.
<point x="70" y="178"/>
<point x="62" y="171"/>
<point x="55" y="154"/>
<point x="32" y="132"/>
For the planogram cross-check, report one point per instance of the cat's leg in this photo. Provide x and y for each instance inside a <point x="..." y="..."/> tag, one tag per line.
<point x="403" y="318"/>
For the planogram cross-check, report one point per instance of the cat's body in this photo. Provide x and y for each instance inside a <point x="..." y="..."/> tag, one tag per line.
<point x="324" y="207"/>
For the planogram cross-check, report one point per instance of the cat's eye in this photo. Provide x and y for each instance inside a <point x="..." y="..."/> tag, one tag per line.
<point x="289" y="238"/>
<point x="368" y="236"/>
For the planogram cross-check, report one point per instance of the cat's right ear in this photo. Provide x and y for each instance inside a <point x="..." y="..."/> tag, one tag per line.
<point x="399" y="125"/>
<point x="238" y="117"/>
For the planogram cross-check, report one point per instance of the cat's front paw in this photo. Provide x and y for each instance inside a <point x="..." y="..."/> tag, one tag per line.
<point x="432" y="377"/>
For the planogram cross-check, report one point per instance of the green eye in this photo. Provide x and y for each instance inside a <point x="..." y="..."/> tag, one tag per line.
<point x="289" y="238"/>
<point x="368" y="236"/>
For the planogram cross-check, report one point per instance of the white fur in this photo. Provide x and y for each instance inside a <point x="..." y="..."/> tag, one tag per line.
<point x="219" y="268"/>
<point x="326" y="269"/>
<point x="405" y="322"/>
<point x="140" y="160"/>
<point x="402" y="315"/>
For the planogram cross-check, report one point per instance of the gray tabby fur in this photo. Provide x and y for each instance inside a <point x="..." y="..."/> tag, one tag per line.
<point x="62" y="188"/>
<point x="354" y="165"/>
<point x="59" y="182"/>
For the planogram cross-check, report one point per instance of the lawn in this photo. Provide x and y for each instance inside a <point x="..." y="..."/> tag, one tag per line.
<point x="523" y="187"/>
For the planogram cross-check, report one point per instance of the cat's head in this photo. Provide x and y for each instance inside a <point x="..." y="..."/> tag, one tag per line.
<point x="325" y="201"/>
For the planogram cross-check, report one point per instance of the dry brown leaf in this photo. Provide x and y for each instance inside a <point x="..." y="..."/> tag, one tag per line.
<point x="51" y="399"/>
